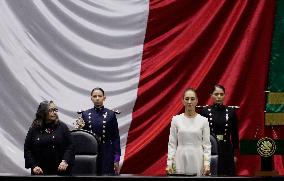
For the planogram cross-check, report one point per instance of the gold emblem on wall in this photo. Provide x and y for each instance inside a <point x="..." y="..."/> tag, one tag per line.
<point x="266" y="147"/>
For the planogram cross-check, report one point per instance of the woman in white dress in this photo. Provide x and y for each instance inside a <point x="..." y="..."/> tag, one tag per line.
<point x="189" y="147"/>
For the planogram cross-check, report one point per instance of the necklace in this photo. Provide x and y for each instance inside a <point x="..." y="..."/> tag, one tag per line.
<point x="48" y="130"/>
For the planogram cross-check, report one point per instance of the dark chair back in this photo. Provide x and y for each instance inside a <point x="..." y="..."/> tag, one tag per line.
<point x="214" y="155"/>
<point x="86" y="151"/>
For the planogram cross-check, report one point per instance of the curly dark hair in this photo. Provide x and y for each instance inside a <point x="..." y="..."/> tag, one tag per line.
<point x="41" y="115"/>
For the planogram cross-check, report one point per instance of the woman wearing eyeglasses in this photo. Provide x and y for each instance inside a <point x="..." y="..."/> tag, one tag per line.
<point x="48" y="148"/>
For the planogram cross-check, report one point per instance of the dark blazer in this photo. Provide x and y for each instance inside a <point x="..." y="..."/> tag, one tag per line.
<point x="103" y="123"/>
<point x="47" y="147"/>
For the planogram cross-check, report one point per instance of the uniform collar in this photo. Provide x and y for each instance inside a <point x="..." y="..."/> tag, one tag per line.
<point x="218" y="106"/>
<point x="99" y="108"/>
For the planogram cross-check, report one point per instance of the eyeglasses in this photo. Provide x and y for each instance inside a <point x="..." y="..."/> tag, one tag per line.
<point x="53" y="110"/>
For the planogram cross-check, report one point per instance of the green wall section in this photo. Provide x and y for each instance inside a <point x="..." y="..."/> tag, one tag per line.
<point x="276" y="68"/>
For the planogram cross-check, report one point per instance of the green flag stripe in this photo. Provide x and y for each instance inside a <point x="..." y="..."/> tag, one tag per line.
<point x="276" y="75"/>
<point x="275" y="104"/>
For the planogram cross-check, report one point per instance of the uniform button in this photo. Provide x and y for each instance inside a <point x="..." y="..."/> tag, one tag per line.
<point x="90" y="126"/>
<point x="210" y="118"/>
<point x="103" y="141"/>
<point x="89" y="121"/>
<point x="104" y="121"/>
<point x="225" y="133"/>
<point x="37" y="139"/>
<point x="212" y="129"/>
<point x="103" y="136"/>
<point x="89" y="117"/>
<point x="104" y="131"/>
<point x="225" y="140"/>
<point x="104" y="126"/>
<point x="225" y="129"/>
<point x="53" y="137"/>
<point x="53" y="146"/>
<point x="226" y="124"/>
<point x="210" y="123"/>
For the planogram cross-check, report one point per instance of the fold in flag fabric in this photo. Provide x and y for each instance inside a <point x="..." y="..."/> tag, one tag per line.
<point x="144" y="54"/>
<point x="60" y="51"/>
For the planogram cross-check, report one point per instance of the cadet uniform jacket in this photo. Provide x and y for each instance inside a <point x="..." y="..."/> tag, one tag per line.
<point x="224" y="125"/>
<point x="103" y="123"/>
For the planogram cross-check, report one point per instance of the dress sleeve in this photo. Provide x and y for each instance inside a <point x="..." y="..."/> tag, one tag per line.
<point x="206" y="144"/>
<point x="172" y="144"/>
<point x="69" y="152"/>
<point x="29" y="158"/>
<point x="115" y="139"/>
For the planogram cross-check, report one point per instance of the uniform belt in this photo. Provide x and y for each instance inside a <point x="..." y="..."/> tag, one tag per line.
<point x="220" y="137"/>
<point x="223" y="138"/>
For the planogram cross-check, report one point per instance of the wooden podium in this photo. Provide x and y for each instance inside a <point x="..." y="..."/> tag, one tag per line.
<point x="266" y="148"/>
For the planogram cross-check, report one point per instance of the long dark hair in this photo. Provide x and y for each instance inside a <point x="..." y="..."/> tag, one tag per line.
<point x="41" y="115"/>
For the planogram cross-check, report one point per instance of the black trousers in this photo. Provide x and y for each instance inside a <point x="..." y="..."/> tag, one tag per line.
<point x="226" y="164"/>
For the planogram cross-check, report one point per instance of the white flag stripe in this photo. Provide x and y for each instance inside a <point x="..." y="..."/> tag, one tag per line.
<point x="60" y="50"/>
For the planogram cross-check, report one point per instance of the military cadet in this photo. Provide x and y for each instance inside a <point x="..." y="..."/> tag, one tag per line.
<point x="103" y="123"/>
<point x="223" y="124"/>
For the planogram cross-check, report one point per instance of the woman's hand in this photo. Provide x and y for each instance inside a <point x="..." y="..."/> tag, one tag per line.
<point x="116" y="168"/>
<point x="37" y="170"/>
<point x="236" y="154"/>
<point x="206" y="170"/>
<point x="63" y="166"/>
<point x="169" y="170"/>
<point x="235" y="159"/>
